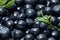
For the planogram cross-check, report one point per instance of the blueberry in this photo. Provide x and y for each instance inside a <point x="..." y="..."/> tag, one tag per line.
<point x="22" y="39"/>
<point x="21" y="16"/>
<point x="58" y="25"/>
<point x="55" y="34"/>
<point x="58" y="19"/>
<point x="28" y="6"/>
<point x="10" y="24"/>
<point x="36" y="23"/>
<point x="6" y="18"/>
<point x="54" y="20"/>
<point x="4" y="32"/>
<point x="15" y="22"/>
<point x="2" y="11"/>
<point x="48" y="3"/>
<point x="29" y="22"/>
<point x="19" y="8"/>
<point x="21" y="24"/>
<point x="51" y="38"/>
<point x="43" y="25"/>
<point x="14" y="15"/>
<point x="54" y="2"/>
<point x="17" y="34"/>
<point x="30" y="13"/>
<point x="30" y="1"/>
<point x="47" y="32"/>
<point x="41" y="37"/>
<point x="39" y="7"/>
<point x="2" y="21"/>
<point x="56" y="9"/>
<point x="48" y="10"/>
<point x="27" y="31"/>
<point x="29" y="37"/>
<point x="35" y="31"/>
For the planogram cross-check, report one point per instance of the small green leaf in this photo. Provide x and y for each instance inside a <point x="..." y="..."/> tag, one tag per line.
<point x="41" y="12"/>
<point x="9" y="4"/>
<point x="45" y="17"/>
<point x="2" y="2"/>
<point x="43" y="20"/>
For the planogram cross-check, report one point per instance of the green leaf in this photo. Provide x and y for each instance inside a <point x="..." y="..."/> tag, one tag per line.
<point x="45" y="17"/>
<point x="9" y="4"/>
<point x="43" y="20"/>
<point x="2" y="2"/>
<point x="41" y="12"/>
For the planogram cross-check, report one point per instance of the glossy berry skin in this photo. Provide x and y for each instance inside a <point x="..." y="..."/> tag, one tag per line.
<point x="43" y="25"/>
<point x="19" y="9"/>
<point x="48" y="3"/>
<point x="14" y="15"/>
<point x="10" y="24"/>
<point x="28" y="6"/>
<point x="21" y="24"/>
<point x="48" y="11"/>
<point x="54" y="20"/>
<point x="58" y="18"/>
<point x="30" y="13"/>
<point x="27" y="31"/>
<point x="30" y="1"/>
<point x="29" y="37"/>
<point x="29" y="22"/>
<point x="4" y="32"/>
<point x="56" y="9"/>
<point x="17" y="34"/>
<point x="51" y="38"/>
<point x="41" y="37"/>
<point x="15" y="22"/>
<point x="2" y="11"/>
<point x="6" y="18"/>
<point x="36" y="24"/>
<point x="2" y="21"/>
<point x="18" y="2"/>
<point x="35" y="31"/>
<point x="47" y="32"/>
<point x="22" y="38"/>
<point x="55" y="34"/>
<point x="21" y="16"/>
<point x="54" y="2"/>
<point x="58" y="25"/>
<point x="39" y="7"/>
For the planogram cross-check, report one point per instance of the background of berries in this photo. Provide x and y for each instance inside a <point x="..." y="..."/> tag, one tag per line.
<point x="29" y="19"/>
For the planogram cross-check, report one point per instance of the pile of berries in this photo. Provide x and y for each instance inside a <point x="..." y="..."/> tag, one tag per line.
<point x="30" y="20"/>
